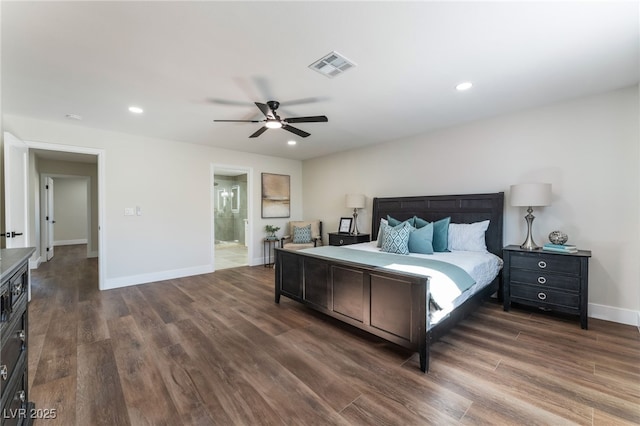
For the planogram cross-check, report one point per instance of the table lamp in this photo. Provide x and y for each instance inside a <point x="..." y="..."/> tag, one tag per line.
<point x="530" y="195"/>
<point x="355" y="202"/>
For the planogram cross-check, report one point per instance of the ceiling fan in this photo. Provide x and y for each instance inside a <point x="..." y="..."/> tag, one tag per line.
<point x="274" y="121"/>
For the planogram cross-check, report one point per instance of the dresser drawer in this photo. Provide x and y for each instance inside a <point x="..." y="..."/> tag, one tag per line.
<point x="546" y="262"/>
<point x="14" y="409"/>
<point x="545" y="298"/>
<point x="13" y="345"/>
<point x="545" y="279"/>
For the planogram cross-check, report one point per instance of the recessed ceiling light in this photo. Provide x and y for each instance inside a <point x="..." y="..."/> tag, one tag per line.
<point x="136" y="110"/>
<point x="464" y="86"/>
<point x="292" y="142"/>
<point x="74" y="117"/>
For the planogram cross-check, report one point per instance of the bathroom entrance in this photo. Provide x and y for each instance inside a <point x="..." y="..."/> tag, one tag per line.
<point x="230" y="219"/>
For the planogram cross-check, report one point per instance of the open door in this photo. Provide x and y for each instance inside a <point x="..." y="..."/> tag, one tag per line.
<point x="16" y="186"/>
<point x="49" y="219"/>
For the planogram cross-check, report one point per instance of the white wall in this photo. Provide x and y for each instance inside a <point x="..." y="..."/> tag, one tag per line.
<point x="70" y="211"/>
<point x="587" y="148"/>
<point x="172" y="183"/>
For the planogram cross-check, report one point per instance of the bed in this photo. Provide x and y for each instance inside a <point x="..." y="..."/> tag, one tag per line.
<point x="391" y="303"/>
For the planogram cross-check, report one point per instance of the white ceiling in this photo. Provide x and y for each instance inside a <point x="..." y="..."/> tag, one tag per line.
<point x="187" y="63"/>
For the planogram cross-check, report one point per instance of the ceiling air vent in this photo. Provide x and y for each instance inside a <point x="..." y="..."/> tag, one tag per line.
<point x="332" y="65"/>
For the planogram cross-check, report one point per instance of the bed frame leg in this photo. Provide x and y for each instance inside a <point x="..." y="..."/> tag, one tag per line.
<point x="424" y="360"/>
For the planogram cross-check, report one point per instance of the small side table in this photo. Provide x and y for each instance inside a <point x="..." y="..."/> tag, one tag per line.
<point x="268" y="257"/>
<point x="547" y="280"/>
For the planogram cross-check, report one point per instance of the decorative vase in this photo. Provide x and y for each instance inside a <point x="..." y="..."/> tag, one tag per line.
<point x="558" y="237"/>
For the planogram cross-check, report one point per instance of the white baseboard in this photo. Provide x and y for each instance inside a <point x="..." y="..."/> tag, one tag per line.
<point x="35" y="263"/>
<point x="610" y="313"/>
<point x="112" y="283"/>
<point x="69" y="242"/>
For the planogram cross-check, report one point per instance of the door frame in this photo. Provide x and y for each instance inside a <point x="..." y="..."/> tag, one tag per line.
<point x="43" y="222"/>
<point x="102" y="230"/>
<point x="212" y="192"/>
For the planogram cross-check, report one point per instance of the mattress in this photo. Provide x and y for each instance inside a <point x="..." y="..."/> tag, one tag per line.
<point x="482" y="267"/>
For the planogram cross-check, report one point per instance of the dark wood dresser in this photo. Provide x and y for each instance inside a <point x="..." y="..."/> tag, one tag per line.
<point x="340" y="239"/>
<point x="547" y="280"/>
<point x="14" y="282"/>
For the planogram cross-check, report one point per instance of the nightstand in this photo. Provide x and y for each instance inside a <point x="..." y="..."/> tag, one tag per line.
<point x="546" y="280"/>
<point x="338" y="239"/>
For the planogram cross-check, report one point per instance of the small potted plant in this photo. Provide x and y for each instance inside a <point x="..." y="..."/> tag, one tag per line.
<point x="271" y="232"/>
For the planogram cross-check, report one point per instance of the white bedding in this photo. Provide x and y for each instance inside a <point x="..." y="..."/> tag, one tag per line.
<point x="482" y="267"/>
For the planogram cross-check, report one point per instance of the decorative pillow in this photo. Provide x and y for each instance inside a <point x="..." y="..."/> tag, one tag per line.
<point x="383" y="225"/>
<point x="468" y="236"/>
<point x="395" y="222"/>
<point x="420" y="240"/>
<point x="302" y="235"/>
<point x="396" y="239"/>
<point x="440" y="232"/>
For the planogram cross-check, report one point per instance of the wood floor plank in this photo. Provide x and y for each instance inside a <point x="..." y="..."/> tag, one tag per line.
<point x="215" y="349"/>
<point x="139" y="376"/>
<point x="100" y="400"/>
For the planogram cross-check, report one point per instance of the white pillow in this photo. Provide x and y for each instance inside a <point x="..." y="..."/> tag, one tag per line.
<point x="468" y="236"/>
<point x="383" y="224"/>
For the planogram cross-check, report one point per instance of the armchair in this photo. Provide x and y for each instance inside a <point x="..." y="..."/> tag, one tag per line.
<point x="302" y="234"/>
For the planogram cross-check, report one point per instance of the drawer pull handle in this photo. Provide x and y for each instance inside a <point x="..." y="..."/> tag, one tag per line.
<point x="341" y="242"/>
<point x="542" y="296"/>
<point x="17" y="289"/>
<point x="542" y="264"/>
<point x="3" y="372"/>
<point x="542" y="280"/>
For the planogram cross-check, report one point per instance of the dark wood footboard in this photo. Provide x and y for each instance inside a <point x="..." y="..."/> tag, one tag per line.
<point x="387" y="304"/>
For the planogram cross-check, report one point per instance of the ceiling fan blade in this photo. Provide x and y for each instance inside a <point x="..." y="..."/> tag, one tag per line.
<point x="258" y="132"/>
<point x="238" y="121"/>
<point x="265" y="110"/>
<point x="297" y="131"/>
<point x="313" y="119"/>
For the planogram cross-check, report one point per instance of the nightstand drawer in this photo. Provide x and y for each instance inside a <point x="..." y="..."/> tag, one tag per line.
<point x="546" y="262"/>
<point x="338" y="239"/>
<point x="544" y="297"/>
<point x="546" y="279"/>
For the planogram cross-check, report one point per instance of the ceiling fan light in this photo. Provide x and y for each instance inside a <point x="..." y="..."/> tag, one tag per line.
<point x="273" y="124"/>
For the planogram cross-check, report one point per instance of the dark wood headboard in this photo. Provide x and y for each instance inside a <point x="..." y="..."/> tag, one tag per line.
<point x="461" y="208"/>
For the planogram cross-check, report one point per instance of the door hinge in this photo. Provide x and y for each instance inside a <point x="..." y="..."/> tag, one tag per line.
<point x="46" y="218"/>
<point x="46" y="186"/>
<point x="47" y="248"/>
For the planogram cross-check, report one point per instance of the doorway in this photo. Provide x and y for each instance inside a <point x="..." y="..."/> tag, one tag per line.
<point x="65" y="217"/>
<point x="231" y="189"/>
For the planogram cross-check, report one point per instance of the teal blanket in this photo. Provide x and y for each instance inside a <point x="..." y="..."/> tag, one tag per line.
<point x="385" y="260"/>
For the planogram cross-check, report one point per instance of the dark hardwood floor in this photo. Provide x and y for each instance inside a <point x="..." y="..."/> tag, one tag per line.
<point x="215" y="349"/>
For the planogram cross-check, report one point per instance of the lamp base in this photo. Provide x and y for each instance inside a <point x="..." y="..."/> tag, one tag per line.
<point x="529" y="244"/>
<point x="355" y="223"/>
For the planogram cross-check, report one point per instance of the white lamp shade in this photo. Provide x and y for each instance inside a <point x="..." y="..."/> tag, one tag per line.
<point x="355" y="201"/>
<point x="530" y="194"/>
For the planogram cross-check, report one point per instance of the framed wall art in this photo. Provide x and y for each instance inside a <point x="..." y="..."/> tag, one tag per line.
<point x="276" y="195"/>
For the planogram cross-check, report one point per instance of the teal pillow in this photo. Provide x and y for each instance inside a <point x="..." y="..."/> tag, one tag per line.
<point x="440" y="232"/>
<point x="420" y="240"/>
<point x="418" y="222"/>
<point x="396" y="239"/>
<point x="395" y="222"/>
<point x="302" y="235"/>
